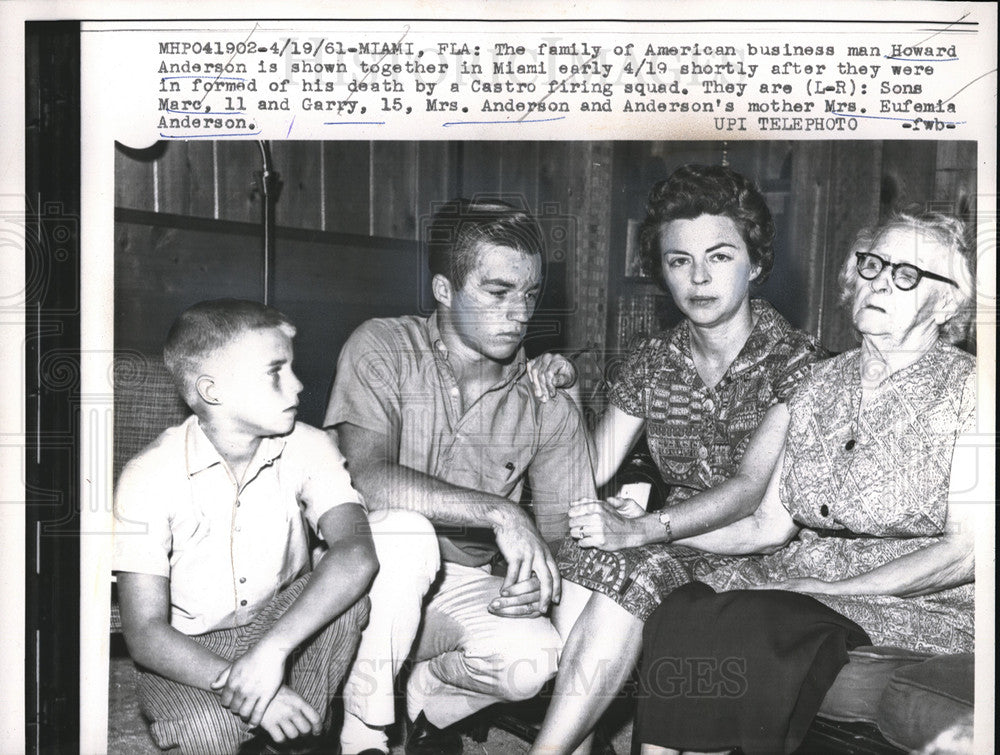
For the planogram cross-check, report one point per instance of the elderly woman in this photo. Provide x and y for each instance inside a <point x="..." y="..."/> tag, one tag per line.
<point x="710" y="396"/>
<point x="868" y="459"/>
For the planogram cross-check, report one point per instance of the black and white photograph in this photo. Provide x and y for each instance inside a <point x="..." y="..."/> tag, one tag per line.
<point x="757" y="335"/>
<point x="417" y="388"/>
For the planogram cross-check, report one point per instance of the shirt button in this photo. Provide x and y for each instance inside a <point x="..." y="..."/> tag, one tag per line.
<point x="709" y="405"/>
<point x="243" y="580"/>
<point x="702" y="453"/>
<point x="238" y="504"/>
<point x="243" y="602"/>
<point x="237" y="528"/>
<point x="824" y="510"/>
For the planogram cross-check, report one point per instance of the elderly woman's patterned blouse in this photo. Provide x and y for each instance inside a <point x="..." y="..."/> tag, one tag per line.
<point x="879" y="475"/>
<point x="883" y="470"/>
<point x="697" y="435"/>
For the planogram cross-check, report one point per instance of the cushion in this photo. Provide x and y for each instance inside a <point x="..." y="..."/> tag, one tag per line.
<point x="925" y="699"/>
<point x="855" y="693"/>
<point x="146" y="404"/>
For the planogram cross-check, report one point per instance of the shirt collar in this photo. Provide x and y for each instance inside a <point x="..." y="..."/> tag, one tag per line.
<point x="769" y="326"/>
<point x="434" y="336"/>
<point x="201" y="453"/>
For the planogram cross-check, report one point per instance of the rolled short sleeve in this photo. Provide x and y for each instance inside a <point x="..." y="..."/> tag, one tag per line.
<point x="797" y="354"/>
<point x="326" y="483"/>
<point x="562" y="470"/>
<point x="630" y="391"/>
<point x="366" y="388"/>
<point x="142" y="537"/>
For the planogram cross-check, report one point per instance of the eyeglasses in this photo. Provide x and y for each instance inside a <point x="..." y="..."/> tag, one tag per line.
<point x="904" y="276"/>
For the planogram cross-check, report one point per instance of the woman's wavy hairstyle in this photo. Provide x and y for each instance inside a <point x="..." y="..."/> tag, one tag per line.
<point x="951" y="233"/>
<point x="694" y="190"/>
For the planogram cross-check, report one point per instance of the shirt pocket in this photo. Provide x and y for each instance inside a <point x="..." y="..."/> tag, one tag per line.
<point x="502" y="469"/>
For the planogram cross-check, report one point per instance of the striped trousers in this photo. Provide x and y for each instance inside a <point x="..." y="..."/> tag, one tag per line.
<point x="194" y="720"/>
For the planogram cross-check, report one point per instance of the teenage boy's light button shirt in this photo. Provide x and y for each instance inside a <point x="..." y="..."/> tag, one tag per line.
<point x="226" y="548"/>
<point x="394" y="377"/>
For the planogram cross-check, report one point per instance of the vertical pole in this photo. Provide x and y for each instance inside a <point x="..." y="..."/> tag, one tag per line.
<point x="268" y="190"/>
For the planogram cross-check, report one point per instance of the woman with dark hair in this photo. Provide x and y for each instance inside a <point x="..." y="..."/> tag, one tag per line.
<point x="710" y="396"/>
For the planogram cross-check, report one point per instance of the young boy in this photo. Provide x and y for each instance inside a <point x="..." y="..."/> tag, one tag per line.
<point x="232" y="626"/>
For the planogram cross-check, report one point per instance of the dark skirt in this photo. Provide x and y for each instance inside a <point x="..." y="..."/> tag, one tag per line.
<point x="747" y="668"/>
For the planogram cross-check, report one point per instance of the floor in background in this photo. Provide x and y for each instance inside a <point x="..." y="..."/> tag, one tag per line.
<point x="128" y="734"/>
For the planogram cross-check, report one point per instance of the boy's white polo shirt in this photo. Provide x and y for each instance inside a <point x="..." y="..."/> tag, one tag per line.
<point x="226" y="549"/>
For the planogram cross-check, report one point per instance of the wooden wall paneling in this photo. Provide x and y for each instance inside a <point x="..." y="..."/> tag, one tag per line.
<point x="908" y="173"/>
<point x="855" y="189"/>
<point x="133" y="180"/>
<point x="673" y="155"/>
<point x="809" y="219"/>
<point x="834" y="193"/>
<point x="185" y="176"/>
<point x="955" y="178"/>
<point x="637" y="167"/>
<point x="593" y="249"/>
<point x="346" y="186"/>
<point x="773" y="174"/>
<point x="173" y="181"/>
<point x="482" y="169"/>
<point x="577" y="175"/>
<point x="769" y="159"/>
<point x="519" y="171"/>
<point x="955" y="192"/>
<point x="626" y="180"/>
<point x="161" y="271"/>
<point x="556" y="186"/>
<point x="394" y="173"/>
<point x="437" y="180"/>
<point x="301" y="200"/>
<point x="328" y="289"/>
<point x="521" y="166"/>
<point x="239" y="162"/>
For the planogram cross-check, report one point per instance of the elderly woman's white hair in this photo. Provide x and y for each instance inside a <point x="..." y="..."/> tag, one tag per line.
<point x="950" y="231"/>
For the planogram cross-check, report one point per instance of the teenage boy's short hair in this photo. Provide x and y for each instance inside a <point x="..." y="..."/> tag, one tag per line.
<point x="205" y="327"/>
<point x="460" y="225"/>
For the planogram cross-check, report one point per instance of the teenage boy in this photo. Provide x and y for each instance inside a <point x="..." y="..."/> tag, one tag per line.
<point x="436" y="415"/>
<point x="231" y="623"/>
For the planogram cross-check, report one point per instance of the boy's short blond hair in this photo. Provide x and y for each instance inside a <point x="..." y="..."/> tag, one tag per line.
<point x="204" y="328"/>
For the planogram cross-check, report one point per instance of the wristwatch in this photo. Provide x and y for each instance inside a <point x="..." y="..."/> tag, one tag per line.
<point x="664" y="516"/>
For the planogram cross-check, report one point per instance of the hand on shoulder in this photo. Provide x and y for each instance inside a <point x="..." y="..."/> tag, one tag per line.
<point x="549" y="372"/>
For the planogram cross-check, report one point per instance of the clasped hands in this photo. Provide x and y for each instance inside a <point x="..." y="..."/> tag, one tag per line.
<point x="253" y="688"/>
<point x="608" y="525"/>
<point x="532" y="582"/>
